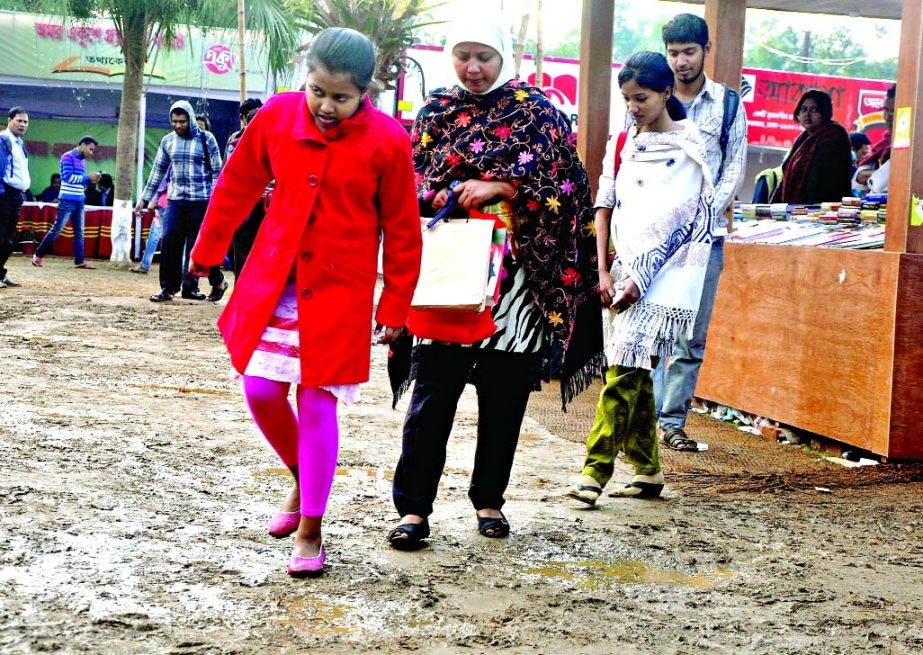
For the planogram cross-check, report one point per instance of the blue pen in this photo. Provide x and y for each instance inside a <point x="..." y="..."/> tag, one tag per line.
<point x="449" y="206"/>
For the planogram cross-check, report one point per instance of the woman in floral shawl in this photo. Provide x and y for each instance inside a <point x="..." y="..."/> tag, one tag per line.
<point x="508" y="151"/>
<point x="661" y="223"/>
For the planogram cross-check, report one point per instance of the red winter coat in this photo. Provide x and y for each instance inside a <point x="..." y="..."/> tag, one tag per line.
<point x="334" y="192"/>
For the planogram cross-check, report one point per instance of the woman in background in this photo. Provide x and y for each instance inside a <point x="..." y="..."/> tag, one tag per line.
<point x="818" y="167"/>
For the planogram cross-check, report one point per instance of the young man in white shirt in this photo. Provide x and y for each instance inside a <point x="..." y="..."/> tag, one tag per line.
<point x="685" y="38"/>
<point x="14" y="168"/>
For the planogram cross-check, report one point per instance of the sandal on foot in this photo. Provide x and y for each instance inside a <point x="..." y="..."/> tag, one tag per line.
<point x="585" y="493"/>
<point x="677" y="439"/>
<point x="641" y="486"/>
<point x="409" y="536"/>
<point x="494" y="527"/>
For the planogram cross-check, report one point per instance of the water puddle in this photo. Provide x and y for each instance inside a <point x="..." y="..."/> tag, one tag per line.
<point x="344" y="471"/>
<point x="364" y="471"/>
<point x="314" y="617"/>
<point x="271" y="472"/>
<point x="605" y="575"/>
<point x="158" y="387"/>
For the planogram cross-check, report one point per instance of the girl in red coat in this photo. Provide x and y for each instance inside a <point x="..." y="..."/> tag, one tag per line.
<point x="301" y="312"/>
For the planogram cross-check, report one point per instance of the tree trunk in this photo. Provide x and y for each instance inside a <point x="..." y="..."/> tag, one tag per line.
<point x="521" y="42"/>
<point x="241" y="36"/>
<point x="134" y="49"/>
<point x="539" y="45"/>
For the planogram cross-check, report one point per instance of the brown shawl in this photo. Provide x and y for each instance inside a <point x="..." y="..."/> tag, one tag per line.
<point x="818" y="168"/>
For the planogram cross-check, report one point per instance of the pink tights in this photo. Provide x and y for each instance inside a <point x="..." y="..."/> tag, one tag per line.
<point x="306" y="443"/>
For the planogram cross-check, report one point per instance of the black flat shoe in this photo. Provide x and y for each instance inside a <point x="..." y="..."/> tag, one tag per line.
<point x="494" y="527"/>
<point x="163" y="296"/>
<point x="409" y="536"/>
<point x="193" y="294"/>
<point x="218" y="292"/>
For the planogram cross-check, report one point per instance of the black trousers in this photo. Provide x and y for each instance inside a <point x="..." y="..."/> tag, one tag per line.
<point x="10" y="204"/>
<point x="244" y="237"/>
<point x="181" y="223"/>
<point x="503" y="382"/>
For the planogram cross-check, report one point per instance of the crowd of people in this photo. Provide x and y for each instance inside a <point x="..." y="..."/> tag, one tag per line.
<point x="623" y="286"/>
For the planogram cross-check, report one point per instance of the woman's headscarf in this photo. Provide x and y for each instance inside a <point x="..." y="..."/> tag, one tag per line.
<point x="493" y="34"/>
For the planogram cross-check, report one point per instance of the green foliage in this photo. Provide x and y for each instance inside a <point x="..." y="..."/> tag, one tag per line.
<point x="833" y="53"/>
<point x="168" y="18"/>
<point x="389" y="24"/>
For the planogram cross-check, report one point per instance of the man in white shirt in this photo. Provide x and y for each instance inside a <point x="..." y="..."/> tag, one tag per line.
<point x="685" y="38"/>
<point x="14" y="167"/>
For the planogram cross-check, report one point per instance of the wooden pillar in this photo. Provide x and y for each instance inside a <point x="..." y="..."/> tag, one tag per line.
<point x="726" y="22"/>
<point x="907" y="163"/>
<point x="595" y="92"/>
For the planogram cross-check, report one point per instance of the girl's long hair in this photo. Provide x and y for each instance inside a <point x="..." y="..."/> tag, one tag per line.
<point x="650" y="70"/>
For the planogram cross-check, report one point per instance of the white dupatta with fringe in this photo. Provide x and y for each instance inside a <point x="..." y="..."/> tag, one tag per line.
<point x="662" y="227"/>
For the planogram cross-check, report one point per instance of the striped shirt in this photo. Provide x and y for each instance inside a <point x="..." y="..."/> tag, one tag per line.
<point x="191" y="178"/>
<point x="74" y="178"/>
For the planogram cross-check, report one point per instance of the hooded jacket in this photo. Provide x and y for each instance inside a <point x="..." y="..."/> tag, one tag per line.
<point x="194" y="157"/>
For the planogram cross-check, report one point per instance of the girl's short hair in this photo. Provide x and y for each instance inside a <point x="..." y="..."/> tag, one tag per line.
<point x="650" y="70"/>
<point x="823" y="101"/>
<point x="342" y="50"/>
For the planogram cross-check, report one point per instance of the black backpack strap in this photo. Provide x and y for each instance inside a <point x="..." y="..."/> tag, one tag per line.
<point x="208" y="157"/>
<point x="731" y="104"/>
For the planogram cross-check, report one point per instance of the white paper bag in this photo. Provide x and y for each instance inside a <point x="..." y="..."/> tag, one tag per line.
<point x="455" y="265"/>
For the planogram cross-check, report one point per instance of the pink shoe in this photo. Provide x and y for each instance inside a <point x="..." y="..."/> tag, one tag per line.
<point x="284" y="523"/>
<point x="37" y="261"/>
<point x="305" y="567"/>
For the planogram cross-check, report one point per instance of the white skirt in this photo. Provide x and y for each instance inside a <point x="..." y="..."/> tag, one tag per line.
<point x="278" y="356"/>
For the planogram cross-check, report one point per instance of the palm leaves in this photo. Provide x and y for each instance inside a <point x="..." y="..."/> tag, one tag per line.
<point x="389" y="24"/>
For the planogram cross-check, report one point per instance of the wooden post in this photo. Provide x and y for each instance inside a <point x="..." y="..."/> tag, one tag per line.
<point x="594" y="94"/>
<point x="726" y="22"/>
<point x="906" y="173"/>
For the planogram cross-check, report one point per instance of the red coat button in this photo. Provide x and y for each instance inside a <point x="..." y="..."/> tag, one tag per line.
<point x="306" y="294"/>
<point x="312" y="180"/>
<point x="307" y="256"/>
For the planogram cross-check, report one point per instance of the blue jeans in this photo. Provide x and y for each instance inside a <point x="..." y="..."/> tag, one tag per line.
<point x="153" y="239"/>
<point x="68" y="210"/>
<point x="674" y="388"/>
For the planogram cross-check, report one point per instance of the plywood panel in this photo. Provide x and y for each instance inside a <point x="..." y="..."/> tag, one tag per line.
<point x="907" y="398"/>
<point x="805" y="336"/>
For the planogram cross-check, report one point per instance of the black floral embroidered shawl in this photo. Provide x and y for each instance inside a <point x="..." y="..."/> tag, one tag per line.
<point x="514" y="134"/>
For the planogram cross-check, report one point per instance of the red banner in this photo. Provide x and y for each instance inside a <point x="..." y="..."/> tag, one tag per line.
<point x="770" y="98"/>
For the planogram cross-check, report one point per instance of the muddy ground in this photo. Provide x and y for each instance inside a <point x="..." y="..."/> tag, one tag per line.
<point x="136" y="491"/>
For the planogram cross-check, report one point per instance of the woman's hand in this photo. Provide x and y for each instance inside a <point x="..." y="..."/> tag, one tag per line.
<point x="626" y="297"/>
<point x="606" y="288"/>
<point x="476" y="193"/>
<point x="196" y="269"/>
<point x="386" y="333"/>
<point x="440" y="199"/>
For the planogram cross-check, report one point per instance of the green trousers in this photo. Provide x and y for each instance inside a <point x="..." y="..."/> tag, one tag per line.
<point x="626" y="420"/>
